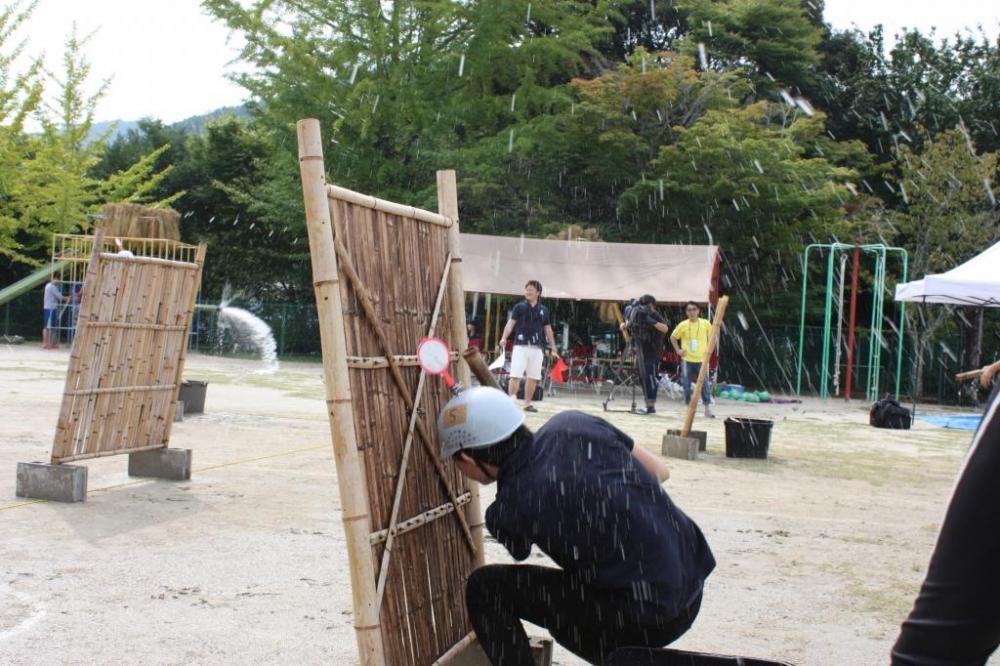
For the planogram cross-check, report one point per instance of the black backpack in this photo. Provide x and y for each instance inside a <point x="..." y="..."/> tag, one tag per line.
<point x="887" y="413"/>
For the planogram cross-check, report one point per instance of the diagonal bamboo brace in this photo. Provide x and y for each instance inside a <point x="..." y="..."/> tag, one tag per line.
<point x="347" y="265"/>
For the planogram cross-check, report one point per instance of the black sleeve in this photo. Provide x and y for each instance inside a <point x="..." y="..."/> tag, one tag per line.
<point x="503" y="525"/>
<point x="956" y="617"/>
<point x="517" y="313"/>
<point x="649" y="318"/>
<point x="546" y="318"/>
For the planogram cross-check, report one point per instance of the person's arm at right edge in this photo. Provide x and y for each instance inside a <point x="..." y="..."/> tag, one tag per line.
<point x="988" y="373"/>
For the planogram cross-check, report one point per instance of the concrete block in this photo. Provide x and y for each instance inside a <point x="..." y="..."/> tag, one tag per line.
<point x="700" y="435"/>
<point x="675" y="446"/>
<point x="166" y="463"/>
<point x="473" y="655"/>
<point x="59" y="483"/>
<point x="179" y="411"/>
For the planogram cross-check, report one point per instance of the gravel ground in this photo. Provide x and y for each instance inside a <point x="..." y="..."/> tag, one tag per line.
<point x="821" y="547"/>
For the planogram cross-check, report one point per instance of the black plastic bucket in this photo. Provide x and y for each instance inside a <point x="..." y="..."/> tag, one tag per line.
<point x="193" y="394"/>
<point x="748" y="438"/>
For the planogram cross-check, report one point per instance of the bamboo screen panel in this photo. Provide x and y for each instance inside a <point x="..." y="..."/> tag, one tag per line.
<point x="128" y="355"/>
<point x="400" y="260"/>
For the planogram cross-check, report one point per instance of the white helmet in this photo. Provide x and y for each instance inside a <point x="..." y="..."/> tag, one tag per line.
<point x="476" y="418"/>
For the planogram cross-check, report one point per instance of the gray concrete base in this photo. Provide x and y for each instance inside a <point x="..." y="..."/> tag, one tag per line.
<point x="675" y="446"/>
<point x="172" y="464"/>
<point x="59" y="483"/>
<point x="473" y="655"/>
<point x="179" y="411"/>
<point x="700" y="435"/>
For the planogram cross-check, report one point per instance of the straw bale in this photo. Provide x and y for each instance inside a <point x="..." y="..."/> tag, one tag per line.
<point x="131" y="220"/>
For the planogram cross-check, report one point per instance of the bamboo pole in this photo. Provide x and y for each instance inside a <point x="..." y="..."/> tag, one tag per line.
<point x="390" y="207"/>
<point x="353" y="498"/>
<point x="447" y="190"/>
<point x="365" y="299"/>
<point x="188" y="315"/>
<point x="968" y="374"/>
<point x="720" y="312"/>
<point x="65" y="426"/>
<point x="404" y="461"/>
<point x="478" y="367"/>
<point x="409" y="524"/>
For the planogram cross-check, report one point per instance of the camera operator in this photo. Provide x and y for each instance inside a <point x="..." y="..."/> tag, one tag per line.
<point x="647" y="328"/>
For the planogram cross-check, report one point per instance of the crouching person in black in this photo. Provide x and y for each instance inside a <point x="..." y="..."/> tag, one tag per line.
<point x="632" y="564"/>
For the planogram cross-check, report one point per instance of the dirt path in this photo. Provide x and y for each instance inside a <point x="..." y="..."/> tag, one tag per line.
<point x="820" y="548"/>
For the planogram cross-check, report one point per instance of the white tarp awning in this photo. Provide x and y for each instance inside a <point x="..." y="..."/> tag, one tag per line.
<point x="586" y="270"/>
<point x="976" y="282"/>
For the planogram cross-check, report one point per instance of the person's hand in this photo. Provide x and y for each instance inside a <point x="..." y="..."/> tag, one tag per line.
<point x="502" y="345"/>
<point x="622" y="326"/>
<point x="989" y="372"/>
<point x="554" y="354"/>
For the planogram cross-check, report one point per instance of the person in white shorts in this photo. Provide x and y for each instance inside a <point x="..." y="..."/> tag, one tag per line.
<point x="529" y="321"/>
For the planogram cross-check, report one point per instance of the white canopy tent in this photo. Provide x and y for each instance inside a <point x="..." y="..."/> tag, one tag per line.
<point x="975" y="283"/>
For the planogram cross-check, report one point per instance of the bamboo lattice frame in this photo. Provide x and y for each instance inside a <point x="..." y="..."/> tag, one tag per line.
<point x="71" y="252"/>
<point x="387" y="275"/>
<point x="128" y="355"/>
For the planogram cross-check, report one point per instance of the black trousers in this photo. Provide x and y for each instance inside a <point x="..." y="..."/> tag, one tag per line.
<point x="956" y="617"/>
<point x="590" y="622"/>
<point x="646" y="364"/>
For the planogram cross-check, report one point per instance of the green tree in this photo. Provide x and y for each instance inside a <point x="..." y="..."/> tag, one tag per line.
<point x="20" y="98"/>
<point x="756" y="180"/>
<point x="949" y="214"/>
<point x="774" y="41"/>
<point x="60" y="190"/>
<point x="242" y="196"/>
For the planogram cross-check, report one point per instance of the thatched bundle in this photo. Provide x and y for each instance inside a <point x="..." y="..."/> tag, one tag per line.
<point x="130" y="220"/>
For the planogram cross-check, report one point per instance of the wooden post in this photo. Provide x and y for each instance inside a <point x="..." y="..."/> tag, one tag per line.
<point x="350" y="475"/>
<point x="479" y="368"/>
<point x="447" y="190"/>
<point x="713" y="339"/>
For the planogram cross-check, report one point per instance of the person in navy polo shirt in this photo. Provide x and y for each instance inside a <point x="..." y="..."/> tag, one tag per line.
<point x="531" y="324"/>
<point x="631" y="564"/>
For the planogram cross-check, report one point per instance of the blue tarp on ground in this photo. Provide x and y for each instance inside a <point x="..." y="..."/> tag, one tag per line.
<point x="957" y="421"/>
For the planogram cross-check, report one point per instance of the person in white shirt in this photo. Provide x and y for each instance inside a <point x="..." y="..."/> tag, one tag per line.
<point x="50" y="312"/>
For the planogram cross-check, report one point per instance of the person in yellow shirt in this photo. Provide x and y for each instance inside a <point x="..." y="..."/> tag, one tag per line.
<point x="690" y="341"/>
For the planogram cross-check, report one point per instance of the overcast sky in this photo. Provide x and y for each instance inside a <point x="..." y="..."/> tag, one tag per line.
<point x="168" y="59"/>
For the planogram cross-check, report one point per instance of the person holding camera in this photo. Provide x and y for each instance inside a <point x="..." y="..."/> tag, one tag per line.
<point x="647" y="328"/>
<point x="529" y="321"/>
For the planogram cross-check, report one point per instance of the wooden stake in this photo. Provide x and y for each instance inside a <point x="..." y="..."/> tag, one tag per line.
<point x="720" y="312"/>
<point x="353" y="498"/>
<point x="479" y="368"/>
<point x="968" y="374"/>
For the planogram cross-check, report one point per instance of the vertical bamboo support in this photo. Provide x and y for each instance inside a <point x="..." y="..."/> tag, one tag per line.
<point x="713" y="340"/>
<point x="447" y="190"/>
<point x="65" y="427"/>
<point x="338" y="393"/>
<point x="188" y="315"/>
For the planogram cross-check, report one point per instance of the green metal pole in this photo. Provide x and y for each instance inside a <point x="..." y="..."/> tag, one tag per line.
<point x="802" y="316"/>
<point x="827" y="319"/>
<point x="902" y="318"/>
<point x="878" y="301"/>
<point x="881" y="324"/>
<point x="871" y="334"/>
